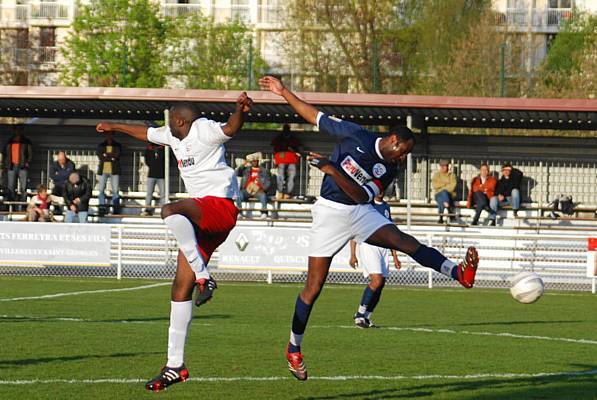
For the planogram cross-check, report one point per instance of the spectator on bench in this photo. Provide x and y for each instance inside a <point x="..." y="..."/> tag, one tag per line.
<point x="37" y="209"/>
<point x="482" y="189"/>
<point x="59" y="173"/>
<point x="286" y="158"/>
<point x="155" y="160"/>
<point x="108" y="153"/>
<point x="255" y="182"/>
<point x="77" y="192"/>
<point x="507" y="190"/>
<point x="444" y="186"/>
<point x="17" y="156"/>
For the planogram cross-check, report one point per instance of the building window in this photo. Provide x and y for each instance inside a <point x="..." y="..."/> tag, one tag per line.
<point x="47" y="37"/>
<point x="22" y="37"/>
<point x="560" y="3"/>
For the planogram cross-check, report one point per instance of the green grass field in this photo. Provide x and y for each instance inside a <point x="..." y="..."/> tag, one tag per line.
<point x="437" y="343"/>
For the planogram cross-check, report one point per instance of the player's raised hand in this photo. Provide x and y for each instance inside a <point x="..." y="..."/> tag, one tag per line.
<point x="272" y="84"/>
<point x="317" y="160"/>
<point x="104" y="127"/>
<point x="244" y="102"/>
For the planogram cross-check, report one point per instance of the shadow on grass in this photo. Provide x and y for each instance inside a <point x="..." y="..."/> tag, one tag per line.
<point x="544" y="387"/>
<point x="44" y="360"/>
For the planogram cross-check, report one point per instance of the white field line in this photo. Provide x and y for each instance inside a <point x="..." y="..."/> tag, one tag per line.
<point x="453" y="332"/>
<point x="52" y="296"/>
<point x="71" y="319"/>
<point x="317" y="378"/>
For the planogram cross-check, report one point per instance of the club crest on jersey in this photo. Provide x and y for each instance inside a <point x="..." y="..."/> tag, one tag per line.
<point x="355" y="171"/>
<point x="379" y="170"/>
<point x="186" y="162"/>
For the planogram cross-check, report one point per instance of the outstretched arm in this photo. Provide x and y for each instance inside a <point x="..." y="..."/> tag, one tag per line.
<point x="352" y="189"/>
<point x="237" y="119"/>
<point x="137" y="131"/>
<point x="305" y="110"/>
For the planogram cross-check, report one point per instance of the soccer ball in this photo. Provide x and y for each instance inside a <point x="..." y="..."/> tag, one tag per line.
<point x="526" y="287"/>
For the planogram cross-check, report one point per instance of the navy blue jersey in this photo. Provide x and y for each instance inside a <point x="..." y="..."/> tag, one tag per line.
<point x="383" y="208"/>
<point x="356" y="156"/>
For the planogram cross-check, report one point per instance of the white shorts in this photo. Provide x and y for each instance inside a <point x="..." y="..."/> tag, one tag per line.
<point x="373" y="259"/>
<point x="334" y="224"/>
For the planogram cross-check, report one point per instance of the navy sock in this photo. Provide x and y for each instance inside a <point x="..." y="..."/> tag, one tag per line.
<point x="429" y="257"/>
<point x="368" y="295"/>
<point x="454" y="273"/>
<point x="299" y="321"/>
<point x="375" y="299"/>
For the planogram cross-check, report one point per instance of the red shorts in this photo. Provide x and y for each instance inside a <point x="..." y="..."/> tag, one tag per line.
<point x="218" y="217"/>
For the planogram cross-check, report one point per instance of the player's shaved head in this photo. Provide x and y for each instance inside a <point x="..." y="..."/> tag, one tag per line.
<point x="403" y="133"/>
<point x="186" y="111"/>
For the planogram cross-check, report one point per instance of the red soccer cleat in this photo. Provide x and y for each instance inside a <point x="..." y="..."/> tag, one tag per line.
<point x="296" y="366"/>
<point x="467" y="269"/>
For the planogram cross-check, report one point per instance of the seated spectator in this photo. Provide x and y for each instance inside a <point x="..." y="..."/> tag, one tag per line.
<point x="37" y="209"/>
<point x="155" y="160"/>
<point x="77" y="192"/>
<point x="507" y="190"/>
<point x="286" y="158"/>
<point x="482" y="189"/>
<point x="255" y="182"/>
<point x="59" y="172"/>
<point x="444" y="187"/>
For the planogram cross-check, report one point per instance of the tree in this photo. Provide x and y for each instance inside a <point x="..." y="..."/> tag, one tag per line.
<point x="209" y="55"/>
<point x="472" y="67"/>
<point x="381" y="46"/>
<point x="115" y="43"/>
<point x="570" y="68"/>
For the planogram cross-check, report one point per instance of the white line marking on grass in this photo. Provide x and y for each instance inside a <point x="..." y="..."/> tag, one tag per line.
<point x="450" y="331"/>
<point x="71" y="319"/>
<point x="317" y="378"/>
<point x="52" y="296"/>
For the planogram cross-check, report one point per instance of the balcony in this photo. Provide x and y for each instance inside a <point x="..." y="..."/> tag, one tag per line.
<point x="35" y="58"/>
<point x="37" y="14"/>
<point x="264" y="15"/>
<point x="540" y="20"/>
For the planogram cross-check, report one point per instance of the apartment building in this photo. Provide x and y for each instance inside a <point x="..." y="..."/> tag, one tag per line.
<point x="31" y="31"/>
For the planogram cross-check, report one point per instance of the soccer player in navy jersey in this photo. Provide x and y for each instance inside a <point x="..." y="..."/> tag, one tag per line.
<point x="361" y="166"/>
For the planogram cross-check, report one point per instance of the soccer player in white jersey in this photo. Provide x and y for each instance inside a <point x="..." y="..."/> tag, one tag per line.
<point x="374" y="263"/>
<point x="360" y="167"/>
<point x="200" y="223"/>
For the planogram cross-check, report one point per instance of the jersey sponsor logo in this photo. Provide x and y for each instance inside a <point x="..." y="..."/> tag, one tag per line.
<point x="360" y="150"/>
<point x="186" y="162"/>
<point x="379" y="170"/>
<point x="355" y="171"/>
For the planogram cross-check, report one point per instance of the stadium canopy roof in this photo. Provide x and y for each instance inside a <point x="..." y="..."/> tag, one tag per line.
<point x="367" y="109"/>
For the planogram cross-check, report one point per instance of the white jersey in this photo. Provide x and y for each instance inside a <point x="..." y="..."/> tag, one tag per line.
<point x="201" y="158"/>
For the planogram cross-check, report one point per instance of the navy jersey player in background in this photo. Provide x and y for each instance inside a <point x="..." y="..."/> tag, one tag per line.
<point x="360" y="167"/>
<point x="374" y="263"/>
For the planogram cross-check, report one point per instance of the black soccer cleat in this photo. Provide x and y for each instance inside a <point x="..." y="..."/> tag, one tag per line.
<point x="205" y="290"/>
<point x="363" y="322"/>
<point x="167" y="376"/>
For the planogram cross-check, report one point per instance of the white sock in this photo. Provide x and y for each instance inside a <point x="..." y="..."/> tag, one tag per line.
<point x="183" y="230"/>
<point x="362" y="309"/>
<point x="295" y="339"/>
<point x="181" y="314"/>
<point x="447" y="267"/>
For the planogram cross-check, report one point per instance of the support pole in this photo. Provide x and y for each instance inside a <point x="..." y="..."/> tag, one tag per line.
<point x="429" y="272"/>
<point x="593" y="285"/>
<point x="166" y="164"/>
<point x="409" y="171"/>
<point x="119" y="265"/>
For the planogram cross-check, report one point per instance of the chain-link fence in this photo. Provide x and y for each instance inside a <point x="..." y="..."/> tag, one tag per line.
<point x="150" y="251"/>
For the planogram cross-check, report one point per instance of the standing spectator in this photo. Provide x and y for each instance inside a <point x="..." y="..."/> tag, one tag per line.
<point x="507" y="190"/>
<point x="17" y="156"/>
<point x="286" y="157"/>
<point x="255" y="182"/>
<point x="77" y="192"/>
<point x="482" y="189"/>
<point x="37" y="209"/>
<point x="444" y="187"/>
<point x="109" y="167"/>
<point x="155" y="160"/>
<point x="59" y="173"/>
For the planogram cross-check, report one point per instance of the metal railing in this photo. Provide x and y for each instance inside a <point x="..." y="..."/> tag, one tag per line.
<point x="38" y="13"/>
<point x="543" y="20"/>
<point x="149" y="251"/>
<point x="262" y="14"/>
<point x="28" y="57"/>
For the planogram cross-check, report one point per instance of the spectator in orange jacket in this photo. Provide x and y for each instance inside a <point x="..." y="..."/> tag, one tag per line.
<point x="482" y="189"/>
